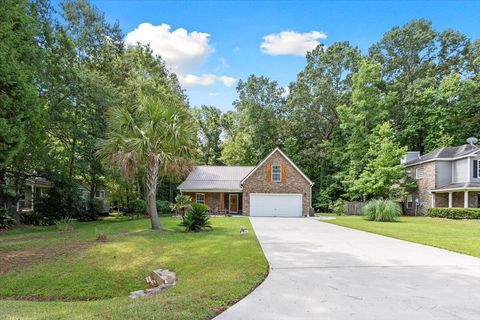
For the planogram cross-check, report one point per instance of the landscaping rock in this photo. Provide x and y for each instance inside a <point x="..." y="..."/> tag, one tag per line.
<point x="164" y="279"/>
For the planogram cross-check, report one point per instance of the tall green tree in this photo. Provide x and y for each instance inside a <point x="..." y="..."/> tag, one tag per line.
<point x="383" y="171"/>
<point x="157" y="133"/>
<point x="368" y="108"/>
<point x="210" y="121"/>
<point x="258" y="123"/>
<point x="312" y="120"/>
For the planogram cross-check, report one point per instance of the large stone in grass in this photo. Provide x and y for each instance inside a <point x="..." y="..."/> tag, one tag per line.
<point x="164" y="278"/>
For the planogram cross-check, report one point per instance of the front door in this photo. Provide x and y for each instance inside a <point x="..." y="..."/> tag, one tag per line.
<point x="233" y="203"/>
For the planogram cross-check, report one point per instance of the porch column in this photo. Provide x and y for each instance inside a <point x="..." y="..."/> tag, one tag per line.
<point x="465" y="199"/>
<point x="450" y="199"/>
<point x="433" y="199"/>
<point x="32" y="198"/>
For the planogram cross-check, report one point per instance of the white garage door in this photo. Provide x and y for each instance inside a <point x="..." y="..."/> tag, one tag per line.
<point x="275" y="205"/>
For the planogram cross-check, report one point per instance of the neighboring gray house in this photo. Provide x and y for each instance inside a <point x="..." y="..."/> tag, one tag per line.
<point x="275" y="187"/>
<point x="35" y="187"/>
<point x="446" y="177"/>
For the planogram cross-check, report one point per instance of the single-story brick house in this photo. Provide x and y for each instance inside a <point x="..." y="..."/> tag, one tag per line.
<point x="275" y="187"/>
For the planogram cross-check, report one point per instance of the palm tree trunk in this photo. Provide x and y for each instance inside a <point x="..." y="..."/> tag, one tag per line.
<point x="152" y="181"/>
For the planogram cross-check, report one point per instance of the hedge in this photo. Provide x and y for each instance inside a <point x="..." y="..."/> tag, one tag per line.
<point x="454" y="213"/>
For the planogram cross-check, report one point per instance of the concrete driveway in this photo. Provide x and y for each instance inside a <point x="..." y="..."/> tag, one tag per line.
<point x="323" y="271"/>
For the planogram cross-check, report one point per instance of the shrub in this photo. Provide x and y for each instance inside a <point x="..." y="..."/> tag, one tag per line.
<point x="338" y="207"/>
<point x="196" y="218"/>
<point x="64" y="224"/>
<point x="5" y="220"/>
<point x="91" y="211"/>
<point x="63" y="199"/>
<point x="454" y="213"/>
<point x="382" y="210"/>
<point x="163" y="207"/>
<point x="182" y="202"/>
<point x="137" y="207"/>
<point x="32" y="218"/>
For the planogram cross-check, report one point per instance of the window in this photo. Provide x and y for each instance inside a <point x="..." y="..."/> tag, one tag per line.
<point x="409" y="201"/>
<point x="276" y="173"/>
<point x="419" y="172"/>
<point x="100" y="194"/>
<point x="200" y="198"/>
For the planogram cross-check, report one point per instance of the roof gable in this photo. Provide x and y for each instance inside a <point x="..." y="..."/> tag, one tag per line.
<point x="286" y="158"/>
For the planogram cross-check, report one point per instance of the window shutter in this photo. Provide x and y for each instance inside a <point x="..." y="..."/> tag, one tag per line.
<point x="475" y="168"/>
<point x="284" y="171"/>
<point x="268" y="172"/>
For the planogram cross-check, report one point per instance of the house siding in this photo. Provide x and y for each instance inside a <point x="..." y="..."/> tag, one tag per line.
<point x="460" y="170"/>
<point x="259" y="182"/>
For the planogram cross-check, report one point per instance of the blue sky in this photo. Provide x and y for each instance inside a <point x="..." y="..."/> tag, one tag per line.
<point x="209" y="65"/>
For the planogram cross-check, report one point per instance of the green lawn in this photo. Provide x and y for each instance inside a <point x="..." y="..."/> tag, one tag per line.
<point x="455" y="235"/>
<point x="46" y="274"/>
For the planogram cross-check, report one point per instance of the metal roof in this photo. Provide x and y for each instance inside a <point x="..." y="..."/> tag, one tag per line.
<point x="445" y="153"/>
<point x="225" y="178"/>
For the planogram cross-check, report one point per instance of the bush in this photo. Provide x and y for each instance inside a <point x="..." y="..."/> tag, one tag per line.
<point x="5" y="220"/>
<point x="454" y="213"/>
<point x="63" y="199"/>
<point x="64" y="224"/>
<point x="182" y="202"/>
<point x="137" y="207"/>
<point x="338" y="207"/>
<point x="196" y="218"/>
<point x="32" y="218"/>
<point x="91" y="211"/>
<point x="382" y="210"/>
<point x="163" y="207"/>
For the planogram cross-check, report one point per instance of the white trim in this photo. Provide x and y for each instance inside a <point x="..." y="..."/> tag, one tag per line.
<point x="277" y="194"/>
<point x="465" y="199"/>
<point x="472" y="154"/>
<point x="456" y="189"/>
<point x="422" y="169"/>
<point x="230" y="203"/>
<point x="279" y="172"/>
<point x="267" y="157"/>
<point x="450" y="199"/>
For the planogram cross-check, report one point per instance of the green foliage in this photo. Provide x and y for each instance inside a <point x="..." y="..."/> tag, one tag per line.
<point x="383" y="170"/>
<point x="32" y="218"/>
<point x="61" y="200"/>
<point x="182" y="202"/>
<point x="65" y="224"/>
<point x="454" y="213"/>
<point x="5" y="220"/>
<point x="137" y="207"/>
<point x="163" y="207"/>
<point x="382" y="210"/>
<point x="210" y="123"/>
<point x="196" y="218"/>
<point x="338" y="207"/>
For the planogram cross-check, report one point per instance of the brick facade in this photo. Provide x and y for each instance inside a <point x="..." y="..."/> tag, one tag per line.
<point x="423" y="186"/>
<point x="292" y="182"/>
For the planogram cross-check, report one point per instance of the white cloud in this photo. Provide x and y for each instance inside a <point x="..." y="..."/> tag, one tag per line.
<point x="208" y="79"/>
<point x="213" y="94"/>
<point x="182" y="51"/>
<point x="291" y="42"/>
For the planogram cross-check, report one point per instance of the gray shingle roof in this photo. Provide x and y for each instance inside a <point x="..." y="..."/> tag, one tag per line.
<point x="215" y="178"/>
<point x="463" y="185"/>
<point x="445" y="153"/>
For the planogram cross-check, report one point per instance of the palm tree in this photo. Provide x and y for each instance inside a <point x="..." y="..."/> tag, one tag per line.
<point x="158" y="134"/>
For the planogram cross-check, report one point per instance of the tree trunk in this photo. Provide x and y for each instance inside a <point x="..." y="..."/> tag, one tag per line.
<point x="152" y="181"/>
